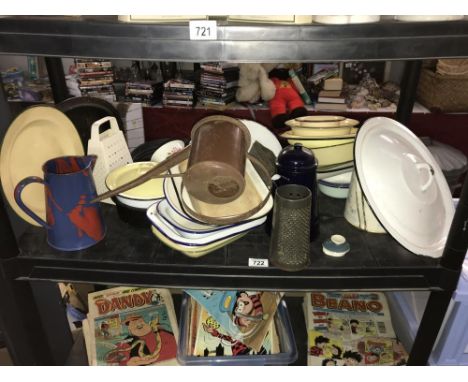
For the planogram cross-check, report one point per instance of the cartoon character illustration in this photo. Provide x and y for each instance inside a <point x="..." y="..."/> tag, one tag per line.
<point x="372" y="358"/>
<point x="336" y="351"/>
<point x="351" y="358"/>
<point x="354" y="326"/>
<point x="144" y="343"/>
<point x="320" y="343"/>
<point x="237" y="347"/>
<point x="329" y="362"/>
<point x="105" y="329"/>
<point x="248" y="309"/>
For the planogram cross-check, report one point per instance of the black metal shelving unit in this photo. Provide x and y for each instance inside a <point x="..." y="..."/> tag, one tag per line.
<point x="29" y="267"/>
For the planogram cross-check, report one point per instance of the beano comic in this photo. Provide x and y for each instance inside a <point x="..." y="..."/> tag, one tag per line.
<point x="351" y="328"/>
<point x="244" y="315"/>
<point x="132" y="326"/>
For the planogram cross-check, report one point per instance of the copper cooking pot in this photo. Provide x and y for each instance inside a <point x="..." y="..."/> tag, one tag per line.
<point x="216" y="165"/>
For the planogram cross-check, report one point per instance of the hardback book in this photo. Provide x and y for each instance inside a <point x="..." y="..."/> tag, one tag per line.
<point x="330" y="106"/>
<point x="131" y="326"/>
<point x="331" y="99"/>
<point x="333" y="84"/>
<point x="329" y="93"/>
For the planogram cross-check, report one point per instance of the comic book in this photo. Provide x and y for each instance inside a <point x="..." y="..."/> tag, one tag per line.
<point x="351" y="328"/>
<point x="132" y="326"/>
<point x="86" y="335"/>
<point x="245" y="316"/>
<point x="209" y="339"/>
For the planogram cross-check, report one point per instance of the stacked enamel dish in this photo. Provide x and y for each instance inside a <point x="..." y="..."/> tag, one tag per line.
<point x="330" y="137"/>
<point x="173" y="224"/>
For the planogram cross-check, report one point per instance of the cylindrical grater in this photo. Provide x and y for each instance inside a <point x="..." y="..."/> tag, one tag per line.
<point x="290" y="244"/>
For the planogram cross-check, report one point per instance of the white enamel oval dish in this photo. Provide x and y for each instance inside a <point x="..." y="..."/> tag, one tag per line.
<point x="404" y="186"/>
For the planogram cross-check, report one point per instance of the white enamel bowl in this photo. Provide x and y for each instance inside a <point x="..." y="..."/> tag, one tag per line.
<point x="194" y="251"/>
<point x="179" y="237"/>
<point x="336" y="186"/>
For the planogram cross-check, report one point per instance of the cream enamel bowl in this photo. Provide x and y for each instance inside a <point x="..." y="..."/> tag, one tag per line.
<point x="141" y="196"/>
<point x="320" y="131"/>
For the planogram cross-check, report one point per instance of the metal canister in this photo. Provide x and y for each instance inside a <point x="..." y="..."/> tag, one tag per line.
<point x="216" y="165"/>
<point x="298" y="165"/>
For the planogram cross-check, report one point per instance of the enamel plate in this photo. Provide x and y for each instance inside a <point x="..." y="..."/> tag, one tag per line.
<point x="404" y="186"/>
<point x="264" y="136"/>
<point x="38" y="134"/>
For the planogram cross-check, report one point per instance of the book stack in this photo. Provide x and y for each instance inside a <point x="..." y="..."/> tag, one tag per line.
<point x="147" y="92"/>
<point x="179" y="93"/>
<point x="132" y="117"/>
<point x="331" y="97"/>
<point x="218" y="84"/>
<point x="129" y="326"/>
<point x="95" y="78"/>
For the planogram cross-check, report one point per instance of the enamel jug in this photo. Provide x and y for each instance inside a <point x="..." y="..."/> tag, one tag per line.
<point x="72" y="223"/>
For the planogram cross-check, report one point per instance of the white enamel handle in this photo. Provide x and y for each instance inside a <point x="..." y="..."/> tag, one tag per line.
<point x="430" y="170"/>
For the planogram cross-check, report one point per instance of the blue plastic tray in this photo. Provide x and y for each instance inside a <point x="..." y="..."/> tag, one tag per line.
<point x="283" y="327"/>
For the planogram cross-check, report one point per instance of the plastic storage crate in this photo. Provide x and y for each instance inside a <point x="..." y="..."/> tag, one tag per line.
<point x="451" y="347"/>
<point x="288" y="348"/>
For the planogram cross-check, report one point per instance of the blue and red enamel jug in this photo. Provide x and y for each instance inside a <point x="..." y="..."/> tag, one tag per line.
<point x="72" y="223"/>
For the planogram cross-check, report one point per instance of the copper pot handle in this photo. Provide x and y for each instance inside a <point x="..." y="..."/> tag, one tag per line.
<point x="155" y="172"/>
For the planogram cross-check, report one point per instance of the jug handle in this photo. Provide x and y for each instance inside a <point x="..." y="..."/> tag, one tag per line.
<point x="19" y="189"/>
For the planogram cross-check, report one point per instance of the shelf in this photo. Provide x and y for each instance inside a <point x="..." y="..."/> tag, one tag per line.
<point x="386" y="40"/>
<point x="135" y="257"/>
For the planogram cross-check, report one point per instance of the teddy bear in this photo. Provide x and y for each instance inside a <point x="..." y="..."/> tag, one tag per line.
<point x="254" y="83"/>
<point x="271" y="82"/>
<point x="287" y="103"/>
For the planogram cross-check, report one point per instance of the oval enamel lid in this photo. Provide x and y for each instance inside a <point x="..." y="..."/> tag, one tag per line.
<point x="404" y="186"/>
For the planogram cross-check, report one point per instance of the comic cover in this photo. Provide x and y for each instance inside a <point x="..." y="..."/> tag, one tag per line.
<point x="210" y="339"/>
<point x="351" y="328"/>
<point x="245" y="316"/>
<point x="132" y="326"/>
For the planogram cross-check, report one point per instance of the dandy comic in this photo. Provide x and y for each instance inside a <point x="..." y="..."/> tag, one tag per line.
<point x="132" y="326"/>
<point x="208" y="338"/>
<point x="244" y="315"/>
<point x="351" y="328"/>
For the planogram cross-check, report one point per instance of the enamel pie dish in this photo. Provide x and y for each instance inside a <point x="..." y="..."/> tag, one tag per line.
<point x="404" y="186"/>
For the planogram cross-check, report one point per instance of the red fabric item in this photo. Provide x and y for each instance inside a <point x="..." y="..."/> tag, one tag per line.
<point x="286" y="98"/>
